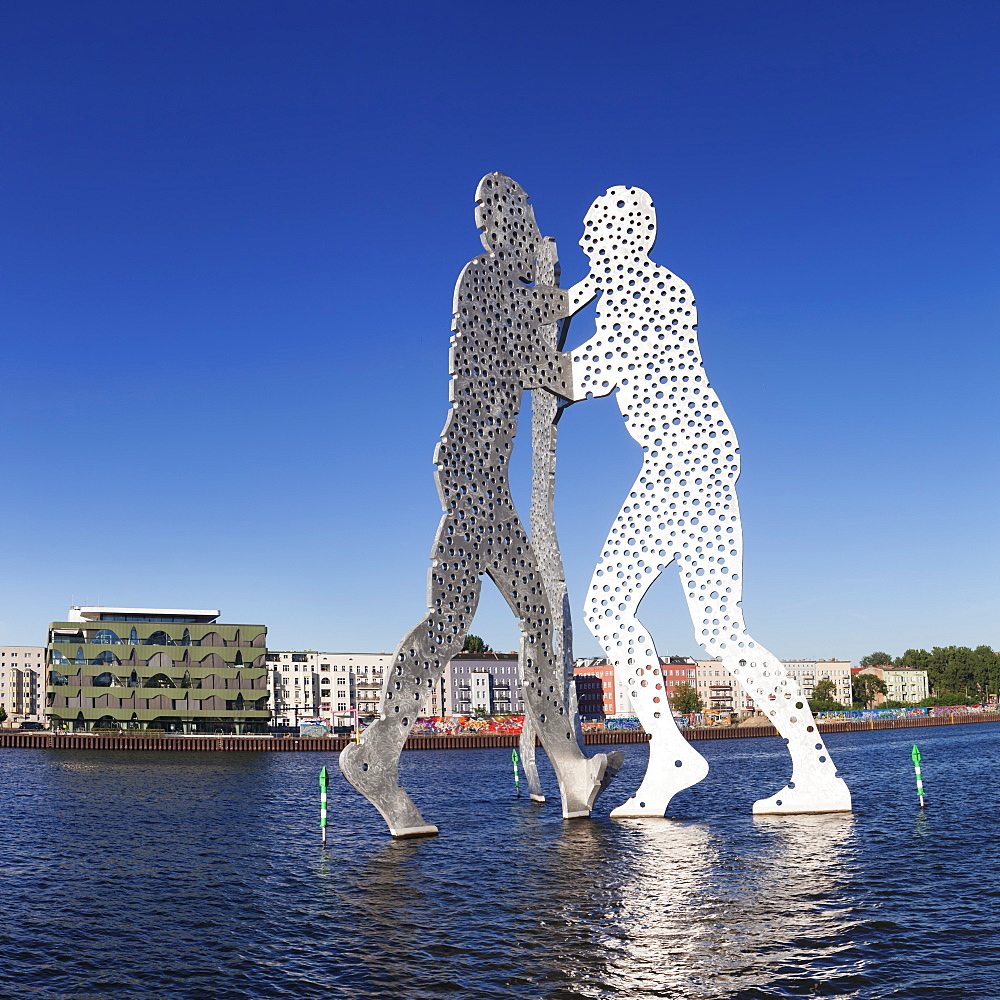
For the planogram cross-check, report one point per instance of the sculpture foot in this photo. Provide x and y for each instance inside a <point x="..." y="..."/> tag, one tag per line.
<point x="536" y="798"/>
<point x="427" y="830"/>
<point x="581" y="781"/>
<point x="372" y="767"/>
<point x="828" y="795"/>
<point x="670" y="771"/>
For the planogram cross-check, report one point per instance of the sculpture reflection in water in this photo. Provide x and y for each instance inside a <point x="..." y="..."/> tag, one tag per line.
<point x="696" y="918"/>
<point x="681" y="509"/>
<point x="504" y="323"/>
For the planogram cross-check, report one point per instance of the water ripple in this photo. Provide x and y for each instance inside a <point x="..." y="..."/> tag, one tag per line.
<point x="190" y="876"/>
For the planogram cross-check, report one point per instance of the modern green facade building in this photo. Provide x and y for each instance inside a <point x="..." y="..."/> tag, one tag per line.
<point x="156" y="668"/>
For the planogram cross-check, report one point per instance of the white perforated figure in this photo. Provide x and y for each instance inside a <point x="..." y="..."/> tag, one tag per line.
<point x="682" y="509"/>
<point x="505" y="319"/>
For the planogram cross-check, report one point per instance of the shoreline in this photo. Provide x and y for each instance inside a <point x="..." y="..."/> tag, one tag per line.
<point x="15" y="739"/>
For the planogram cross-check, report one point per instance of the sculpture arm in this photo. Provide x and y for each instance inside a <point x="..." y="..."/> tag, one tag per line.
<point x="552" y="371"/>
<point x="558" y="371"/>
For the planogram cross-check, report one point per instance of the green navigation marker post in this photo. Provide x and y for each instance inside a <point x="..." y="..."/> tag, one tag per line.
<point x="915" y="754"/>
<point x="323" y="782"/>
<point x="517" y="778"/>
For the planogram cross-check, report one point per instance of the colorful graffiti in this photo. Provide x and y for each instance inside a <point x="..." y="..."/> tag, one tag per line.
<point x="611" y="725"/>
<point x="870" y="714"/>
<point x="451" y="725"/>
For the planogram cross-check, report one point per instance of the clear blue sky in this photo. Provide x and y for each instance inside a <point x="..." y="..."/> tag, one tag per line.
<point x="231" y="236"/>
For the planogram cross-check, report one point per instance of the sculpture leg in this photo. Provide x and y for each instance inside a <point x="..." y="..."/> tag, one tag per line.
<point x="711" y="570"/>
<point x="372" y="764"/>
<point x="581" y="779"/>
<point x="618" y="585"/>
<point x="814" y="785"/>
<point x="526" y="748"/>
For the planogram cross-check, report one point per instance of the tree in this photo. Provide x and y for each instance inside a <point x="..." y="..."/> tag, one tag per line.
<point x="876" y="659"/>
<point x="944" y="700"/>
<point x="865" y="687"/>
<point x="957" y="670"/>
<point x="473" y="644"/>
<point x="825" y="690"/>
<point x="685" y="700"/>
<point x="3" y="714"/>
<point x="823" y="699"/>
<point x="987" y="671"/>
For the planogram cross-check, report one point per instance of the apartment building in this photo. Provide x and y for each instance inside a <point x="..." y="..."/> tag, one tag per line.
<point x="22" y="683"/>
<point x="810" y="672"/>
<point x="678" y="670"/>
<point x="489" y="683"/>
<point x="589" y="697"/>
<point x="675" y="670"/>
<point x="718" y="689"/>
<point x="308" y="684"/>
<point x="595" y="679"/>
<point x="902" y="684"/>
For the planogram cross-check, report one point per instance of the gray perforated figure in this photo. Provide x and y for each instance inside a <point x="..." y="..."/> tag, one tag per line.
<point x="681" y="509"/>
<point x="501" y="316"/>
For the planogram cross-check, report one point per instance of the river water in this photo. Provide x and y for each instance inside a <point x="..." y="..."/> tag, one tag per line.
<point x="200" y="875"/>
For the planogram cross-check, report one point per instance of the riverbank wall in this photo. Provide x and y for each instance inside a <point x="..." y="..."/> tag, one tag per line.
<point x="96" y="741"/>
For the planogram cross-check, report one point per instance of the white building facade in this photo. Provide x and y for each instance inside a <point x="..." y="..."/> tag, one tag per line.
<point x="306" y="684"/>
<point x="902" y="684"/>
<point x="718" y="690"/>
<point x="810" y="672"/>
<point x="488" y="683"/>
<point x="22" y="683"/>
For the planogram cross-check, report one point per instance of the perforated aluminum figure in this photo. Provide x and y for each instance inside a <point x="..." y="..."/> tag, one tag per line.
<point x="502" y="325"/>
<point x="682" y="509"/>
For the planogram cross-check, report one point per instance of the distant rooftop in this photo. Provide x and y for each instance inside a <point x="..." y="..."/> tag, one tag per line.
<point x="101" y="614"/>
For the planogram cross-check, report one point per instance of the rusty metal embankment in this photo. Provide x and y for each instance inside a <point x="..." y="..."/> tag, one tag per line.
<point x="465" y="741"/>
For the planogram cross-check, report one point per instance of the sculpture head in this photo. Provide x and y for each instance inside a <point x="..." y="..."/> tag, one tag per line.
<point x="507" y="222"/>
<point x="621" y="223"/>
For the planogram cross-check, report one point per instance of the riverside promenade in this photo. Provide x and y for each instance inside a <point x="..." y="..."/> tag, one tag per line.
<point x="464" y="741"/>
